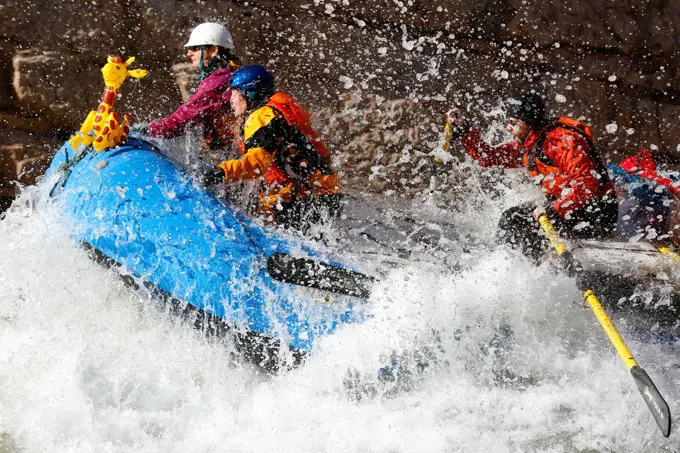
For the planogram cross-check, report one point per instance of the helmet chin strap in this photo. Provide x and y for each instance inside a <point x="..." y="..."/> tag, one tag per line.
<point x="253" y="101"/>
<point x="200" y="64"/>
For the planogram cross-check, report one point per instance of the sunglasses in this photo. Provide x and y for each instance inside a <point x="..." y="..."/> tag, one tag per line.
<point x="194" y="48"/>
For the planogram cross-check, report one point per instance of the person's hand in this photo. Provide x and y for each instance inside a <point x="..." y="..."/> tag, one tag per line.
<point x="538" y="212"/>
<point x="209" y="175"/>
<point x="545" y="209"/>
<point x="455" y="117"/>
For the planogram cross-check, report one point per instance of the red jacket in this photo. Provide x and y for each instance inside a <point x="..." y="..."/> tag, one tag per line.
<point x="563" y="167"/>
<point x="643" y="164"/>
<point x="209" y="104"/>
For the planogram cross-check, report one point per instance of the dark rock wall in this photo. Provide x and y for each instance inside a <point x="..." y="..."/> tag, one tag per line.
<point x="377" y="73"/>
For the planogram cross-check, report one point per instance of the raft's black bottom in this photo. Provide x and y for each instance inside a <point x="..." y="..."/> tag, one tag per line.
<point x="254" y="347"/>
<point x="651" y="304"/>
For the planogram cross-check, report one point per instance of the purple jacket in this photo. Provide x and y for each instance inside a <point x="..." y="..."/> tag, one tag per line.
<point x="210" y="100"/>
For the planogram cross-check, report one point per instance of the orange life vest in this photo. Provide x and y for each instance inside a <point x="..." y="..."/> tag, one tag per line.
<point x="541" y="165"/>
<point x="313" y="164"/>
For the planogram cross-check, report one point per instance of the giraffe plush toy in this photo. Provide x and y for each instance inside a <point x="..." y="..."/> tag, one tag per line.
<point x="103" y="129"/>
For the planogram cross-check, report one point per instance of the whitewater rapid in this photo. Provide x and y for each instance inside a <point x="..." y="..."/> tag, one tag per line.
<point x="513" y="362"/>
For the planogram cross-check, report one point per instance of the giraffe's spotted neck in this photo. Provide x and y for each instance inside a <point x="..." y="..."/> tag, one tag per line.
<point x="106" y="105"/>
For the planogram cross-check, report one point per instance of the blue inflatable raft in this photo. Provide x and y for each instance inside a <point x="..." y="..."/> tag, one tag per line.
<point x="138" y="210"/>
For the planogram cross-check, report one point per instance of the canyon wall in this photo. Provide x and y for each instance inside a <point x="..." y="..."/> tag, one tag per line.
<point x="377" y="74"/>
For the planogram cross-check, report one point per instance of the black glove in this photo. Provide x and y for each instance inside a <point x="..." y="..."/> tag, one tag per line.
<point x="209" y="175"/>
<point x="140" y="129"/>
<point x="457" y="131"/>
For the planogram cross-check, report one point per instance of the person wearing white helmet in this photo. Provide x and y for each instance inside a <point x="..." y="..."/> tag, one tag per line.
<point x="211" y="50"/>
<point x="205" y="42"/>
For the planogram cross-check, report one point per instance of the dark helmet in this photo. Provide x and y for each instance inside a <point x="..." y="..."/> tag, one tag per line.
<point x="531" y="110"/>
<point x="254" y="82"/>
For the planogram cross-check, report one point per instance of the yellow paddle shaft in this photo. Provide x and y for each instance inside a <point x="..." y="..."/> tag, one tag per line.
<point x="448" y="133"/>
<point x="553" y="236"/>
<point x="608" y="327"/>
<point x="591" y="299"/>
<point x="668" y="252"/>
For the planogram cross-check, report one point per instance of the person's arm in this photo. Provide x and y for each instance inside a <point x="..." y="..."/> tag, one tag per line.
<point x="507" y="155"/>
<point x="570" y="151"/>
<point x="211" y="95"/>
<point x="254" y="163"/>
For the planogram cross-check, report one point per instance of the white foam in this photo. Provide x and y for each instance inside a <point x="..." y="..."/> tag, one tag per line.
<point x="86" y="364"/>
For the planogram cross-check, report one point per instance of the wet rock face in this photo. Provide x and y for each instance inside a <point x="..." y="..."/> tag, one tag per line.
<point x="376" y="73"/>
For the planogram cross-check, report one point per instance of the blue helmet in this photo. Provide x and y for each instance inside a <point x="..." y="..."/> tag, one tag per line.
<point x="254" y="82"/>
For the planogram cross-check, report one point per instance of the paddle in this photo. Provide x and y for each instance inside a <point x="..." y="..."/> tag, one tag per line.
<point x="655" y="402"/>
<point x="306" y="272"/>
<point x="448" y="134"/>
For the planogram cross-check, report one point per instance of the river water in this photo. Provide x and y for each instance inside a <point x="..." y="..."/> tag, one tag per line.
<point x="496" y="355"/>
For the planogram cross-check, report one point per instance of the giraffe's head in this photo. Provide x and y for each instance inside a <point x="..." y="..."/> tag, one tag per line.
<point x="115" y="71"/>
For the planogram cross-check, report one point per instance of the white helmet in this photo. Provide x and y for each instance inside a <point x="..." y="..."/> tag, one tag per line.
<point x="210" y="34"/>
